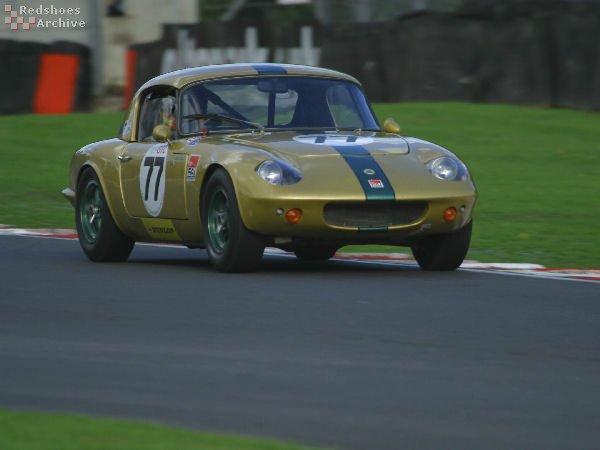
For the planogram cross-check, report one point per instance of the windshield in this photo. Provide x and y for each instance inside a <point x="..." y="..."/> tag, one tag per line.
<point x="275" y="103"/>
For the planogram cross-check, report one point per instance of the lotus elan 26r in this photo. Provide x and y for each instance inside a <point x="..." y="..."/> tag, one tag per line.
<point x="237" y="157"/>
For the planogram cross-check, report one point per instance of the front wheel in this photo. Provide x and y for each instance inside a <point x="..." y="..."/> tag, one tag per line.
<point x="231" y="247"/>
<point x="99" y="236"/>
<point x="443" y="251"/>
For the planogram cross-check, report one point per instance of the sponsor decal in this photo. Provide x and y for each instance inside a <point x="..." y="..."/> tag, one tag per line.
<point x="161" y="229"/>
<point x="193" y="140"/>
<point x="376" y="184"/>
<point x="192" y="167"/>
<point x="152" y="178"/>
<point x="369" y="172"/>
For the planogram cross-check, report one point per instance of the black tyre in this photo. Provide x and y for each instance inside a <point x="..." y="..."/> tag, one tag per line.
<point x="99" y="236"/>
<point x="443" y="251"/>
<point x="230" y="246"/>
<point x="314" y="253"/>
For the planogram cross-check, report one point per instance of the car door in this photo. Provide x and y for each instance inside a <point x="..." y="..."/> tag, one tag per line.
<point x="153" y="173"/>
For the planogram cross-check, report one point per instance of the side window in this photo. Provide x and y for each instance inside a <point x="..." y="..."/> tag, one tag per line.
<point x="127" y="124"/>
<point x="342" y="107"/>
<point x="157" y="107"/>
<point x="233" y="99"/>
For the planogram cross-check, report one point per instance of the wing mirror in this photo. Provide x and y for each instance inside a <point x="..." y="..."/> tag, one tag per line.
<point x="161" y="133"/>
<point x="390" y="126"/>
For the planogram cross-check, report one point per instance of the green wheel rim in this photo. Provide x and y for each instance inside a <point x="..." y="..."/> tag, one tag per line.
<point x="219" y="221"/>
<point x="90" y="211"/>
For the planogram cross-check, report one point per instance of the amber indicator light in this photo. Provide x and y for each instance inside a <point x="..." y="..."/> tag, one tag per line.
<point x="293" y="215"/>
<point x="450" y="214"/>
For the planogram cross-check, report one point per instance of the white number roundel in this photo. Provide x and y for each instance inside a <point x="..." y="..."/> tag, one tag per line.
<point x="152" y="178"/>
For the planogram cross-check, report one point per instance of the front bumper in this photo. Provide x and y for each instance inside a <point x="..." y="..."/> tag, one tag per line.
<point x="69" y="195"/>
<point x="267" y="217"/>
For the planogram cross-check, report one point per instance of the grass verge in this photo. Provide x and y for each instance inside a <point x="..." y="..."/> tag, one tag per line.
<point x="40" y="431"/>
<point x="537" y="172"/>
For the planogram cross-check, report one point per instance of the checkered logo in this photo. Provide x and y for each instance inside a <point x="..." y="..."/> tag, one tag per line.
<point x="14" y="20"/>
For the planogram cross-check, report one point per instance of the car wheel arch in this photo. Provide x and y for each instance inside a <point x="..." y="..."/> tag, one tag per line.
<point x="212" y="168"/>
<point x="89" y="165"/>
<point x="231" y="247"/>
<point x="244" y="212"/>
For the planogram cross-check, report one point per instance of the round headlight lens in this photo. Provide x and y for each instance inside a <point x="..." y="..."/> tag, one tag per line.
<point x="448" y="168"/>
<point x="444" y="168"/>
<point x="278" y="172"/>
<point x="270" y="171"/>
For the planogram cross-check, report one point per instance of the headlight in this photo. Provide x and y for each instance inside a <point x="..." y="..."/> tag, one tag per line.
<point x="278" y="172"/>
<point x="447" y="168"/>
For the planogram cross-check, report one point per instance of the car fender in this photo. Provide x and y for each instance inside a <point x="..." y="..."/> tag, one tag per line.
<point x="101" y="157"/>
<point x="239" y="163"/>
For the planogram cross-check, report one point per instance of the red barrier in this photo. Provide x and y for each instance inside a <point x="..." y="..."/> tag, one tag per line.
<point x="130" y="61"/>
<point x="56" y="82"/>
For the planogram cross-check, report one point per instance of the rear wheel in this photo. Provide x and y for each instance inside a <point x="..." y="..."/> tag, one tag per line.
<point x="315" y="253"/>
<point x="231" y="247"/>
<point x="99" y="236"/>
<point x="443" y="251"/>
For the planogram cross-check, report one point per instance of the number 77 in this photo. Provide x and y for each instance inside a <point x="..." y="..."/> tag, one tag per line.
<point x="150" y="162"/>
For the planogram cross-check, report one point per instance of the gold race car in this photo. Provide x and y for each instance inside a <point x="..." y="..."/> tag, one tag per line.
<point x="237" y="157"/>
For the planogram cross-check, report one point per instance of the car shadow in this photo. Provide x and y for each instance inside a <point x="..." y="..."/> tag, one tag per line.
<point x="281" y="263"/>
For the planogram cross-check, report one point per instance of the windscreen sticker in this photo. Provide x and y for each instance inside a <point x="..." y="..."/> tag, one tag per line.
<point x="192" y="167"/>
<point x="152" y="178"/>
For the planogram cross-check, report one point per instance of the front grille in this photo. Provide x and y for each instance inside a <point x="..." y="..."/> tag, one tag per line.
<point x="373" y="215"/>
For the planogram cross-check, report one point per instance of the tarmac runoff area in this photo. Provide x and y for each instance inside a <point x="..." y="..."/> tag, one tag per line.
<point x="515" y="269"/>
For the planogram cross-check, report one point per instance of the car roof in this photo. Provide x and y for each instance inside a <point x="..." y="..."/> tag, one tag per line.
<point x="180" y="78"/>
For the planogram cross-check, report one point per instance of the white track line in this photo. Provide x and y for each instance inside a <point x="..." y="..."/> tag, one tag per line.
<point x="385" y="259"/>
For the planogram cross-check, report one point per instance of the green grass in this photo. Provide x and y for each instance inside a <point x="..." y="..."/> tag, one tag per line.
<point x="537" y="172"/>
<point x="36" y="151"/>
<point x="39" y="431"/>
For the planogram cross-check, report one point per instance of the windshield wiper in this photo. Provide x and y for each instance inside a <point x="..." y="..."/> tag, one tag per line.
<point x="221" y="118"/>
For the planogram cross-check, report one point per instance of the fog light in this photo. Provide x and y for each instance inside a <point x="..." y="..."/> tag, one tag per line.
<point x="450" y="214"/>
<point x="294" y="215"/>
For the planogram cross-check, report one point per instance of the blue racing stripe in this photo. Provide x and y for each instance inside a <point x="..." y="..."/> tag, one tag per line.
<point x="370" y="175"/>
<point x="269" y="69"/>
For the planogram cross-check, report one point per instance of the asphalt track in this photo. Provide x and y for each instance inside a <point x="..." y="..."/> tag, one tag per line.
<point x="340" y="354"/>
